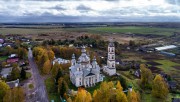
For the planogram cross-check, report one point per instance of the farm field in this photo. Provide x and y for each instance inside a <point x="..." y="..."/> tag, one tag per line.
<point x="136" y="30"/>
<point x="96" y="30"/>
<point x="28" y="30"/>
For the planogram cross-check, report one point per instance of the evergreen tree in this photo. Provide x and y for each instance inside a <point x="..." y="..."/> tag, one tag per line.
<point x="23" y="73"/>
<point x="59" y="74"/>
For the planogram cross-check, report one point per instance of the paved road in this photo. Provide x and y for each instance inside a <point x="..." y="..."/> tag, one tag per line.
<point x="40" y="94"/>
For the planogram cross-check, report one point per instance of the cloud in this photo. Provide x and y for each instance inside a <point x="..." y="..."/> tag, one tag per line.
<point x="57" y="7"/>
<point x="92" y="10"/>
<point x="83" y="8"/>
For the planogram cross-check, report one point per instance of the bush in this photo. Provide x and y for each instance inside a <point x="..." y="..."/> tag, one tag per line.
<point x="31" y="86"/>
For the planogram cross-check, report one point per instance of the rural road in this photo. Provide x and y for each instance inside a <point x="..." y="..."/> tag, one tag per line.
<point x="40" y="94"/>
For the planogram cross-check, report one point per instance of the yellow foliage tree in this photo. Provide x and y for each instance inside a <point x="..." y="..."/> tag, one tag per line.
<point x="132" y="96"/>
<point x="14" y="95"/>
<point x="3" y="89"/>
<point x="47" y="67"/>
<point x="83" y="96"/>
<point x="146" y="76"/>
<point x="51" y="55"/>
<point x="120" y="96"/>
<point x="159" y="87"/>
<point x="118" y="86"/>
<point x="55" y="68"/>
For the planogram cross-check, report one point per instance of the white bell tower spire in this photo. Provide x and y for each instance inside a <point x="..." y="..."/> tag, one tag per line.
<point x="111" y="62"/>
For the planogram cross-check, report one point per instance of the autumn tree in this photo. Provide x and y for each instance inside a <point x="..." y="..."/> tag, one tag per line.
<point x="62" y="86"/>
<point x="69" y="99"/>
<point x="159" y="87"/>
<point x="120" y="96"/>
<point x="118" y="86"/>
<point x="132" y="96"/>
<point x="14" y="95"/>
<point x="3" y="89"/>
<point x="47" y="67"/>
<point x="55" y="69"/>
<point x="50" y="55"/>
<point x="108" y="93"/>
<point x="146" y="76"/>
<point x="83" y="96"/>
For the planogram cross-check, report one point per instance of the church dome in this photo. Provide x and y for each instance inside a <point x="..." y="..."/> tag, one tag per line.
<point x="84" y="57"/>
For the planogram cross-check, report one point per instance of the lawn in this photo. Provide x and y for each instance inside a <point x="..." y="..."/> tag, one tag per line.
<point x="2" y="58"/>
<point x="49" y="82"/>
<point x="131" y="80"/>
<point x="28" y="74"/>
<point x="147" y="97"/>
<point x="167" y="65"/>
<point x="137" y="30"/>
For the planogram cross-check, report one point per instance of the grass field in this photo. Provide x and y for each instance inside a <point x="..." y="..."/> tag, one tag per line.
<point x="167" y="65"/>
<point x="2" y="58"/>
<point x="137" y="30"/>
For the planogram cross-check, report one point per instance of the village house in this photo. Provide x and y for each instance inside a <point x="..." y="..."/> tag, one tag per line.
<point x="13" y="84"/>
<point x="137" y="73"/>
<point x="61" y="61"/>
<point x="12" y="58"/>
<point x="1" y="42"/>
<point x="5" y="72"/>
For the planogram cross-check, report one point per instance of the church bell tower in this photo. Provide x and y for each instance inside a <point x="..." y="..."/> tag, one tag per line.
<point x="111" y="62"/>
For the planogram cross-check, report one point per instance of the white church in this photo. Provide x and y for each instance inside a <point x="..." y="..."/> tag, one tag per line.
<point x="83" y="72"/>
<point x="86" y="73"/>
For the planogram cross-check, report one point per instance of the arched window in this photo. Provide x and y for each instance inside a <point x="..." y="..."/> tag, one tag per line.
<point x="113" y="65"/>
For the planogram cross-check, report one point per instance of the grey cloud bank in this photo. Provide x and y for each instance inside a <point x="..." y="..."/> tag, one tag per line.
<point x="90" y="11"/>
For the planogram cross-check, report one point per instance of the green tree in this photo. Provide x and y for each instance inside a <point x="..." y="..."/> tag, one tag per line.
<point x="159" y="87"/>
<point x="3" y="89"/>
<point x="15" y="74"/>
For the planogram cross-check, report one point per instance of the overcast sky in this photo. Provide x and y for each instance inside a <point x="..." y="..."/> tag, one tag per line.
<point x="90" y="11"/>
